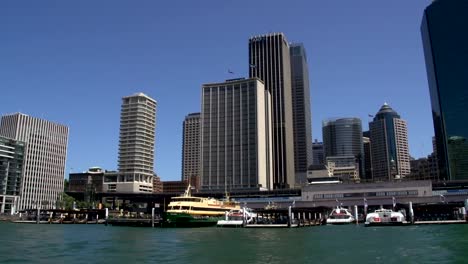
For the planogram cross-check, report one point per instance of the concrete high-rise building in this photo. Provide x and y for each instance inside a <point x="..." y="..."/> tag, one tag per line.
<point x="301" y="111"/>
<point x="445" y="42"/>
<point x="342" y="137"/>
<point x="136" y="146"/>
<point x="236" y="136"/>
<point x="191" y="146"/>
<point x="11" y="172"/>
<point x="318" y="153"/>
<point x="44" y="158"/>
<point x="269" y="60"/>
<point x="389" y="145"/>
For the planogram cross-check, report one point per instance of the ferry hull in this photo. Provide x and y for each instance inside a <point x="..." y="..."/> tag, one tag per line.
<point x="187" y="220"/>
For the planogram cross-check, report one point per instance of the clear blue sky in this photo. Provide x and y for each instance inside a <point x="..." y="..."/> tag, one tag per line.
<point x="72" y="61"/>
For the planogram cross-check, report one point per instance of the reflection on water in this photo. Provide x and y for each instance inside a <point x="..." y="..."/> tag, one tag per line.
<point x="325" y="244"/>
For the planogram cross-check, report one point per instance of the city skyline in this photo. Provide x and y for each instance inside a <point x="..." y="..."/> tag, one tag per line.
<point x="104" y="63"/>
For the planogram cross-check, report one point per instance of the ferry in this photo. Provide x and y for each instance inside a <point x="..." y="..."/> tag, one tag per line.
<point x="384" y="217"/>
<point x="192" y="211"/>
<point x="340" y="216"/>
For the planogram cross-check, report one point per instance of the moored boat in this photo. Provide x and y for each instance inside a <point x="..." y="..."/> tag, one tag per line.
<point x="383" y="217"/>
<point x="235" y="218"/>
<point x="340" y="216"/>
<point x="192" y="211"/>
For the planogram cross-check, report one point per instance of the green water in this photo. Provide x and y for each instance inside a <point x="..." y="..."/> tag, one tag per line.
<point x="29" y="243"/>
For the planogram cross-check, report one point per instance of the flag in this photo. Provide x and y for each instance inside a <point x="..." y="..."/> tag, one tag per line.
<point x="369" y="115"/>
<point x="253" y="65"/>
<point x="231" y="72"/>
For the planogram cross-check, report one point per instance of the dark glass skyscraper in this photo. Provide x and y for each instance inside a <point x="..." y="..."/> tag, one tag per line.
<point x="445" y="39"/>
<point x="343" y="137"/>
<point x="269" y="61"/>
<point x="301" y="109"/>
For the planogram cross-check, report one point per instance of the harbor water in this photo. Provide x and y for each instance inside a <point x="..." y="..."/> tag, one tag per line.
<point x="30" y="243"/>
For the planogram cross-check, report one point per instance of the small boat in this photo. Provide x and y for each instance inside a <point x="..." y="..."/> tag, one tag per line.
<point x="340" y="216"/>
<point x="383" y="217"/>
<point x="235" y="218"/>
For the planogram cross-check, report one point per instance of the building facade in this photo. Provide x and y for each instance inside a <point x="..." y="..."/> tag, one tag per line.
<point x="44" y="159"/>
<point x="87" y="182"/>
<point x="390" y="153"/>
<point x="318" y="153"/>
<point x="342" y="137"/>
<point x="424" y="168"/>
<point x="302" y="126"/>
<point x="136" y="144"/>
<point x="11" y="172"/>
<point x="445" y="44"/>
<point x="269" y="60"/>
<point x="366" y="143"/>
<point x="236" y="136"/>
<point x="191" y="146"/>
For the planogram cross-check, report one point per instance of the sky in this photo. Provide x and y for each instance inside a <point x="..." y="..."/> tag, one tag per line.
<point x="71" y="62"/>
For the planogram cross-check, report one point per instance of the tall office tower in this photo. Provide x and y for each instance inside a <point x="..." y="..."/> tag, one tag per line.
<point x="389" y="137"/>
<point x="269" y="61"/>
<point x="301" y="111"/>
<point x="11" y="171"/>
<point x="236" y="136"/>
<point x="445" y="42"/>
<point x="191" y="147"/>
<point x="44" y="158"/>
<point x="136" y="145"/>
<point x="318" y="155"/>
<point x="367" y="158"/>
<point x="342" y="137"/>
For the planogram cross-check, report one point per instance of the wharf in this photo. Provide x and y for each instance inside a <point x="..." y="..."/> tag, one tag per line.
<point x="440" y="222"/>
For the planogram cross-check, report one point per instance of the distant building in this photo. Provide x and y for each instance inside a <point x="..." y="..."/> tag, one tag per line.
<point x="342" y="137"/>
<point x="11" y="172"/>
<point x="236" y="136"/>
<point x="302" y="126"/>
<point x="191" y="146"/>
<point x="346" y="168"/>
<point x="136" y="146"/>
<point x="157" y="184"/>
<point x="424" y="169"/>
<point x="89" y="181"/>
<point x="445" y="43"/>
<point x="175" y="187"/>
<point x="389" y="138"/>
<point x="367" y="158"/>
<point x="269" y="60"/>
<point x="44" y="159"/>
<point x="318" y="153"/>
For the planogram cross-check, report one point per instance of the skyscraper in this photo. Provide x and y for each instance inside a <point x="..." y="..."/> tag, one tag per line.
<point x="445" y="42"/>
<point x="191" y="146"/>
<point x="269" y="60"/>
<point x="44" y="158"/>
<point x="11" y="172"/>
<point x="236" y="135"/>
<point x="318" y="154"/>
<point x="389" y="145"/>
<point x="136" y="146"/>
<point x="342" y="137"/>
<point x="367" y="158"/>
<point x="301" y="110"/>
